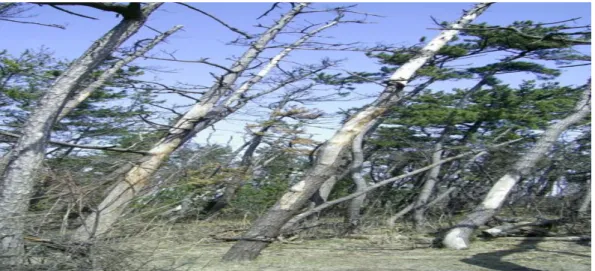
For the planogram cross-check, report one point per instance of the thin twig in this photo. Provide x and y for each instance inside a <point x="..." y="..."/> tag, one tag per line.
<point x="42" y="24"/>
<point x="275" y="5"/>
<point x="247" y="36"/>
<point x="73" y="13"/>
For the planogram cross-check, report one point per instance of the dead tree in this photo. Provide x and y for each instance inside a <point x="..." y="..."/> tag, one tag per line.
<point x="26" y="157"/>
<point x="218" y="102"/>
<point x="458" y="236"/>
<point x="269" y="225"/>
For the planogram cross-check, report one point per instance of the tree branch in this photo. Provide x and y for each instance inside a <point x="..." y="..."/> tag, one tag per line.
<point x="130" y="11"/>
<point x="90" y="147"/>
<point x="247" y="36"/>
<point x="108" y="74"/>
<point x="397" y="178"/>
<point x="550" y="36"/>
<point x="42" y="24"/>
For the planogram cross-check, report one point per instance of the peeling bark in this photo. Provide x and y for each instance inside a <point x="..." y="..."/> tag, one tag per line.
<point x="27" y="155"/>
<point x="458" y="236"/>
<point x="269" y="225"/>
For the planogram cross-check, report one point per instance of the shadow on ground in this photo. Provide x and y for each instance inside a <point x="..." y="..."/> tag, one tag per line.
<point x="495" y="260"/>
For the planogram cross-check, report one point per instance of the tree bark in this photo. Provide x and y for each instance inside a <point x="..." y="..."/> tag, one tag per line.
<point x="458" y="236"/>
<point x="586" y="201"/>
<point x="194" y="120"/>
<point x="427" y="189"/>
<point x="326" y="188"/>
<point x="269" y="225"/>
<point x="27" y="155"/>
<point x="356" y="204"/>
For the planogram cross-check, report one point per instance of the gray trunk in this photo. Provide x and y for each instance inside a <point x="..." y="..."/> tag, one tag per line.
<point x="420" y="205"/>
<point x="269" y="225"/>
<point x="28" y="153"/>
<point x="586" y="201"/>
<point x="356" y="204"/>
<point x="458" y="236"/>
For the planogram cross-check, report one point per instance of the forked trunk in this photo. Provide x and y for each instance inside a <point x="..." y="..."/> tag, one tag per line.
<point x="269" y="225"/>
<point x="27" y="155"/>
<point x="458" y="236"/>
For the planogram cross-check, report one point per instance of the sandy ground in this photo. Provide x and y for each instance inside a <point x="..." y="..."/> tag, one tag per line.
<point x="193" y="250"/>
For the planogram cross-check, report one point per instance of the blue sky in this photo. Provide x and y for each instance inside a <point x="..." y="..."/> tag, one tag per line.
<point x="404" y="24"/>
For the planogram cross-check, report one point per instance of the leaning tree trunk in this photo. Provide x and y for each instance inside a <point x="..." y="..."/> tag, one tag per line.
<point x="420" y="205"/>
<point x="458" y="236"/>
<point x="326" y="188"/>
<point x="269" y="225"/>
<point x="28" y="153"/>
<point x="193" y="121"/>
<point x="356" y="204"/>
<point x="321" y="196"/>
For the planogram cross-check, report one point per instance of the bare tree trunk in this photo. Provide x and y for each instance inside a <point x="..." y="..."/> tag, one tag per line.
<point x="269" y="225"/>
<point x="26" y="157"/>
<point x="586" y="201"/>
<point x="193" y="121"/>
<point x="427" y="189"/>
<point x="322" y="197"/>
<point x="458" y="236"/>
<point x="356" y="204"/>
<point x="326" y="188"/>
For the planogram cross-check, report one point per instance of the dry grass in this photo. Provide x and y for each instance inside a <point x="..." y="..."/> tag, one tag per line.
<point x="190" y="247"/>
